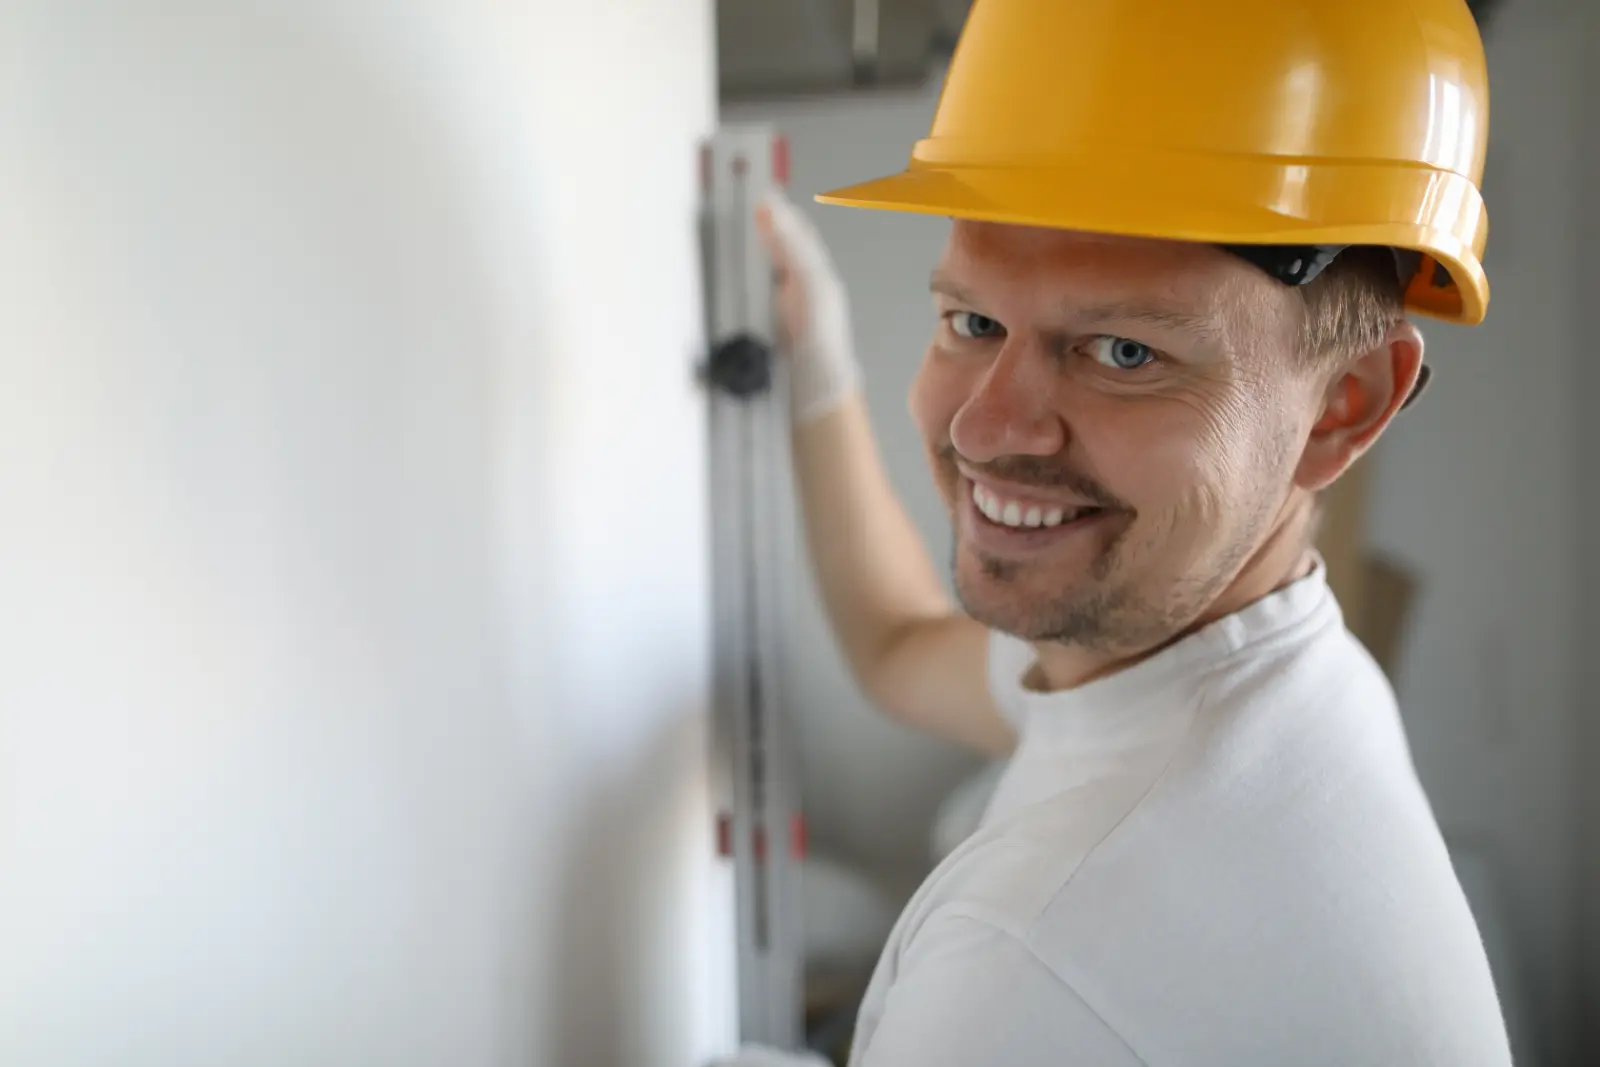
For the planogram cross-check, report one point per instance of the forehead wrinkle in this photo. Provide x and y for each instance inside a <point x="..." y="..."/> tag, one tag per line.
<point x="1088" y="312"/>
<point x="1204" y="326"/>
<point x="1217" y="307"/>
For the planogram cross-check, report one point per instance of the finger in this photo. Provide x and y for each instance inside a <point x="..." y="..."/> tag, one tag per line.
<point x="802" y="247"/>
<point x="771" y="239"/>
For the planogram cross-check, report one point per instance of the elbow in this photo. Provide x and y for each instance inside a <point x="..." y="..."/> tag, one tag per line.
<point x="880" y="672"/>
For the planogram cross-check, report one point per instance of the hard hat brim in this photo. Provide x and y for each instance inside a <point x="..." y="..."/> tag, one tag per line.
<point x="1255" y="200"/>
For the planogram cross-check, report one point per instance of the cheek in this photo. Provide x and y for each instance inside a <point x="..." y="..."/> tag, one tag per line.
<point x="937" y="395"/>
<point x="1177" y="460"/>
<point x="933" y="401"/>
<point x="928" y="403"/>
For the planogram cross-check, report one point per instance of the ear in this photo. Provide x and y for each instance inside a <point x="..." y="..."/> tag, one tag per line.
<point x="1360" y="399"/>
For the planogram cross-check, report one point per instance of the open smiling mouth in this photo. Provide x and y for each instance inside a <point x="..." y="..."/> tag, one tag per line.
<point x="1019" y="514"/>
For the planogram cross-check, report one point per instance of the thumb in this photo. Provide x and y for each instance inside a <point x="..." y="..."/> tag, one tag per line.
<point x="771" y="239"/>
<point x="791" y="238"/>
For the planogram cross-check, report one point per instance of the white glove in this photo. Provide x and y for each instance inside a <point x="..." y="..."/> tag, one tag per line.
<point x="761" y="1056"/>
<point x="813" y="311"/>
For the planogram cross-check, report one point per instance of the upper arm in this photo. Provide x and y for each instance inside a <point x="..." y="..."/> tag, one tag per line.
<point x="971" y="995"/>
<point x="934" y="674"/>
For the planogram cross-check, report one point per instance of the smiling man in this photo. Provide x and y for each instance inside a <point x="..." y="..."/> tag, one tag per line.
<point x="1172" y="308"/>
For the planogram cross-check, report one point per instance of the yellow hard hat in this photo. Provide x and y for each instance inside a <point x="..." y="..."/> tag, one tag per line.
<point x="1285" y="130"/>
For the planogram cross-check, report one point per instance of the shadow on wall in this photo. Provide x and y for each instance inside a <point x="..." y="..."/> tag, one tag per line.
<point x="622" y="899"/>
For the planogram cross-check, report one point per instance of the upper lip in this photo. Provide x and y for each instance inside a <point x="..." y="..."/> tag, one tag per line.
<point x="1024" y="494"/>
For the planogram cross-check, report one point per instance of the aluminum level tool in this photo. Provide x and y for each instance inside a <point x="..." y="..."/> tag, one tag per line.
<point x="759" y="829"/>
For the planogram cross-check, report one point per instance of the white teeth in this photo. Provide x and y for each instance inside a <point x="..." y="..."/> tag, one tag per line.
<point x="987" y="503"/>
<point x="1013" y="513"/>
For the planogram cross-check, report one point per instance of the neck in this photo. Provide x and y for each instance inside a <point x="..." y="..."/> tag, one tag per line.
<point x="1283" y="557"/>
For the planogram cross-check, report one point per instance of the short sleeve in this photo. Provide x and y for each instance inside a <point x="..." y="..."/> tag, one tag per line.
<point x="1010" y="659"/>
<point x="972" y="995"/>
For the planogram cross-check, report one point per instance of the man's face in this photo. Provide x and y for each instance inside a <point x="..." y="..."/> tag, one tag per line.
<point x="1114" y="424"/>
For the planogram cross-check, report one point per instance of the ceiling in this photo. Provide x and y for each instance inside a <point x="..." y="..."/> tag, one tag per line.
<point x="776" y="48"/>
<point x="794" y="47"/>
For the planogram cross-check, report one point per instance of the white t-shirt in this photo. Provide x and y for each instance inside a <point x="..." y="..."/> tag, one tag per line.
<point x="1221" y="856"/>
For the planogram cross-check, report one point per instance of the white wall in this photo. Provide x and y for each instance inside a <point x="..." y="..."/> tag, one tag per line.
<point x="353" y="591"/>
<point x="1473" y="492"/>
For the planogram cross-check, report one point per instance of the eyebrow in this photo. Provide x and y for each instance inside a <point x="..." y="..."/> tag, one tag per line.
<point x="1205" y="326"/>
<point x="945" y="286"/>
<point x="1101" y="315"/>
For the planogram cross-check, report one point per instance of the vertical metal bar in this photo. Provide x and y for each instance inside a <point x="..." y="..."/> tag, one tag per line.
<point x="749" y="448"/>
<point x="864" y="29"/>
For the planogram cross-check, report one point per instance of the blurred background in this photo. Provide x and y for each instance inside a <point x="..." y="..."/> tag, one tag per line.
<point x="354" y="525"/>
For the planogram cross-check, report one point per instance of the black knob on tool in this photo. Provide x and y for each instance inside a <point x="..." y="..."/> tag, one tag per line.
<point x="741" y="365"/>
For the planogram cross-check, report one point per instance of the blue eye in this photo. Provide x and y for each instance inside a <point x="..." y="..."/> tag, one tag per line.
<point x="1120" y="353"/>
<point x="971" y="325"/>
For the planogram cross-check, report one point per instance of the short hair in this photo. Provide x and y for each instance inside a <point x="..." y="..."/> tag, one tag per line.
<point x="1351" y="305"/>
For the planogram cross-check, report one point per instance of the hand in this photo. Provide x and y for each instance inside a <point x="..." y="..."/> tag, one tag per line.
<point x="761" y="1056"/>
<point x="813" y="311"/>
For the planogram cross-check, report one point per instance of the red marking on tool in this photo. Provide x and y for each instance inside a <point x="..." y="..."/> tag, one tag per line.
<point x="780" y="160"/>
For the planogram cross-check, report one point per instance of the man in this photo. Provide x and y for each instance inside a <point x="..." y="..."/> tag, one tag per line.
<point x="1171" y="310"/>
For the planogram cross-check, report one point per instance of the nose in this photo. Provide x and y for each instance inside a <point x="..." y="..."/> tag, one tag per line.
<point x="1011" y="411"/>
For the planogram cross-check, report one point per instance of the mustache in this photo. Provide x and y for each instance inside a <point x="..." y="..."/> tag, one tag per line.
<point x="1041" y="472"/>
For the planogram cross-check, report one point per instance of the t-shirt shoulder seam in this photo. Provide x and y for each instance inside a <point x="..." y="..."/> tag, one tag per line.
<point x="1026" y="944"/>
<point x="1200" y="702"/>
<point x="1204" y="698"/>
<point x="1298" y="632"/>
